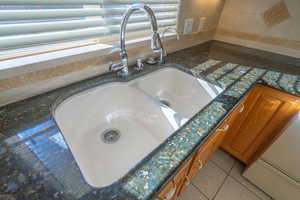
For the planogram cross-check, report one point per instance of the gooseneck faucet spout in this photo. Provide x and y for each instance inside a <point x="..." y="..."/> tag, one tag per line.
<point x="156" y="44"/>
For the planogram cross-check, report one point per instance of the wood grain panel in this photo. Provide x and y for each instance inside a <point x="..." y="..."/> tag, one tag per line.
<point x="265" y="108"/>
<point x="266" y="111"/>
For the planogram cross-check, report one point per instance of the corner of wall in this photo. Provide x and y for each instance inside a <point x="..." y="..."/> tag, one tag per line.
<point x="244" y="23"/>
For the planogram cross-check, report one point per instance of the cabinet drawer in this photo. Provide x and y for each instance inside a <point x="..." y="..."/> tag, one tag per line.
<point x="169" y="192"/>
<point x="183" y="172"/>
<point x="208" y="148"/>
<point x="173" y="188"/>
<point x="182" y="179"/>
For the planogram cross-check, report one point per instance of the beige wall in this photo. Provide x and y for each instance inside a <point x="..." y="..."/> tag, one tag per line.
<point x="211" y="9"/>
<point x="241" y="23"/>
<point x="236" y="21"/>
<point x="39" y="78"/>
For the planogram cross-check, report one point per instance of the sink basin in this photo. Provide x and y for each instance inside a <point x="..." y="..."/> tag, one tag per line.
<point x="180" y="91"/>
<point x="110" y="128"/>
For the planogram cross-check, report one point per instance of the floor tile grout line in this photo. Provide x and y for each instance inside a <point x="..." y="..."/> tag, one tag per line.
<point x="199" y="188"/>
<point x="219" y="186"/>
<point x="248" y="188"/>
<point x="200" y="191"/>
<point x="219" y="189"/>
<point x="222" y="168"/>
<point x="229" y="174"/>
<point x="219" y="167"/>
<point x="234" y="164"/>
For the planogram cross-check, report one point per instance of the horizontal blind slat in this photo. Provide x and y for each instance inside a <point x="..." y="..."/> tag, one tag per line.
<point x="83" y="2"/>
<point x="31" y="28"/>
<point x="43" y="38"/>
<point x="120" y="2"/>
<point x="11" y="15"/>
<point x="49" y="2"/>
<point x="36" y="22"/>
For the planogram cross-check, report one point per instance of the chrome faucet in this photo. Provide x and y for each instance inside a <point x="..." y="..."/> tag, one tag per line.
<point x="174" y="30"/>
<point x="156" y="44"/>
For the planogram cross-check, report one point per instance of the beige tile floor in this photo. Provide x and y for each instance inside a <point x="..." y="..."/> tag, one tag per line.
<point x="221" y="179"/>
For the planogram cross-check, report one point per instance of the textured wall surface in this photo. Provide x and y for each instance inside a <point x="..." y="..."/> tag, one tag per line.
<point x="243" y="22"/>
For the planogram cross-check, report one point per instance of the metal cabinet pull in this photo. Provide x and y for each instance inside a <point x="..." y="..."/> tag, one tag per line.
<point x="242" y="108"/>
<point x="188" y="182"/>
<point x="224" y="129"/>
<point x="200" y="164"/>
<point x="171" y="193"/>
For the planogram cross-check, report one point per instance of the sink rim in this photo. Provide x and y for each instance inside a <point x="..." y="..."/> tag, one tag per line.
<point x="106" y="79"/>
<point x="110" y="77"/>
<point x="82" y="139"/>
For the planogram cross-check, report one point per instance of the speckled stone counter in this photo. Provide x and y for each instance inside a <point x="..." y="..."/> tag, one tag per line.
<point x="35" y="162"/>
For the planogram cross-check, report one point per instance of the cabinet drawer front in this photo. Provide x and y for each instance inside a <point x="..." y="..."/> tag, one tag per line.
<point x="169" y="191"/>
<point x="190" y="168"/>
<point x="203" y="154"/>
<point x="208" y="148"/>
<point x="172" y="189"/>
<point x="182" y="172"/>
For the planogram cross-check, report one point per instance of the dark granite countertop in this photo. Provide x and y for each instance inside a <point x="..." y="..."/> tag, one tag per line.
<point x="35" y="162"/>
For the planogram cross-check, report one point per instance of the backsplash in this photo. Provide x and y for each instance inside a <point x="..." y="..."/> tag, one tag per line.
<point x="232" y="21"/>
<point x="42" y="79"/>
<point x="33" y="83"/>
<point x="270" y="25"/>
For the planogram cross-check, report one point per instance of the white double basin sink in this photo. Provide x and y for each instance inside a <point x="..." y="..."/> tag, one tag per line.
<point x="112" y="127"/>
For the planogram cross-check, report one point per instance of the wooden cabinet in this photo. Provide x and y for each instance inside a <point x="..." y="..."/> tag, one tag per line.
<point x="189" y="169"/>
<point x="261" y="117"/>
<point x="246" y="133"/>
<point x="172" y="190"/>
<point x="207" y="149"/>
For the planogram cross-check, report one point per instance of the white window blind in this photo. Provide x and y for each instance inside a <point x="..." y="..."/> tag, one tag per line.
<point x="27" y="23"/>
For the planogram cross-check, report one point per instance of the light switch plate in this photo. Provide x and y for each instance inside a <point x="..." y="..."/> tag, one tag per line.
<point x="188" y="26"/>
<point x="201" y="24"/>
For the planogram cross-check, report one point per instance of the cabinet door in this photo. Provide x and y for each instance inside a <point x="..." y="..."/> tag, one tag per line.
<point x="266" y="112"/>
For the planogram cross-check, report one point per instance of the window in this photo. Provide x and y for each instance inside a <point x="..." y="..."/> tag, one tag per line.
<point x="32" y="23"/>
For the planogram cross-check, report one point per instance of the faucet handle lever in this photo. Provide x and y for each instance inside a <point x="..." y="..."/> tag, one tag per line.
<point x="139" y="64"/>
<point x="120" y="67"/>
<point x="115" y="66"/>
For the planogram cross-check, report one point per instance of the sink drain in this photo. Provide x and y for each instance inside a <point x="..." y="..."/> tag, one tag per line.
<point x="166" y="103"/>
<point x="110" y="136"/>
